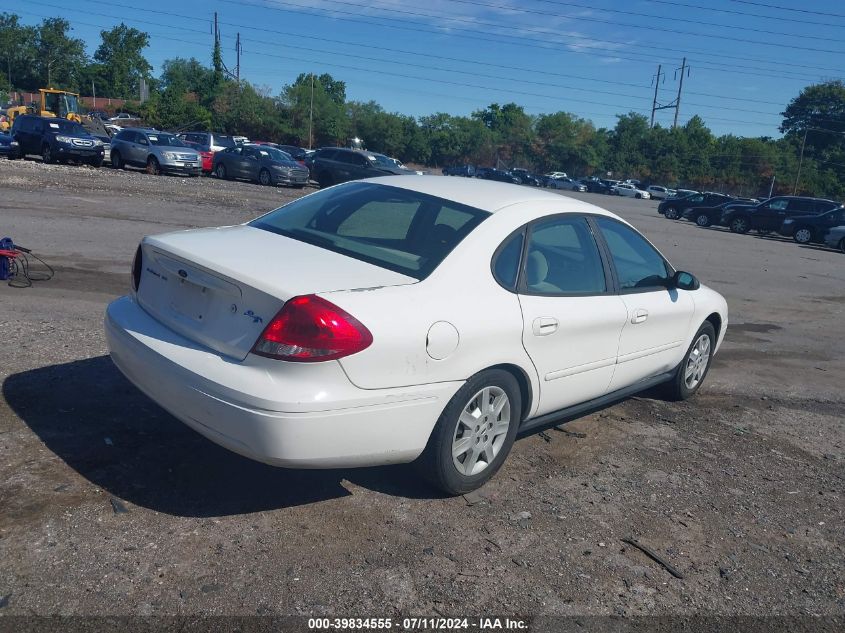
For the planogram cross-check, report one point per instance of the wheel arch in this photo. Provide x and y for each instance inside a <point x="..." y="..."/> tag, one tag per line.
<point x="715" y="320"/>
<point x="526" y="392"/>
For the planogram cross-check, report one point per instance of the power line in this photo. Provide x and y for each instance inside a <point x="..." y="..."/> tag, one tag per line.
<point x="652" y="16"/>
<point x="591" y="43"/>
<point x="458" y="71"/>
<point x="523" y="28"/>
<point x="743" y="13"/>
<point x="782" y="8"/>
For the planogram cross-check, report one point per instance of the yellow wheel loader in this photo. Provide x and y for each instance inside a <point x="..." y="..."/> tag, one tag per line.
<point x="55" y="103"/>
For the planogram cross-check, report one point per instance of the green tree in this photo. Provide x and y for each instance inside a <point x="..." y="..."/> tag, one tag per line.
<point x="17" y="53"/>
<point x="60" y="57"/>
<point x="122" y="61"/>
<point x="316" y="111"/>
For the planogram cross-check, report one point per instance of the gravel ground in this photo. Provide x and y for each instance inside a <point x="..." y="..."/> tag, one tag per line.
<point x="109" y="506"/>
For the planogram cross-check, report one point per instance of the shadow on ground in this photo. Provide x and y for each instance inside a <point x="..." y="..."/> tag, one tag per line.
<point x="89" y="415"/>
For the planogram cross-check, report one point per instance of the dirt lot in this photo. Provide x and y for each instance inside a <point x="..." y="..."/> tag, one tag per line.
<point x="110" y="506"/>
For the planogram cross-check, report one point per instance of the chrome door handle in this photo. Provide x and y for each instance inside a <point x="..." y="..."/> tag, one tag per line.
<point x="639" y="316"/>
<point x="543" y="326"/>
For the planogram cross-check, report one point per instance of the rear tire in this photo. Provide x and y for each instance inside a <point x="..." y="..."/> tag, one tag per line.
<point x="693" y="369"/>
<point x="739" y="225"/>
<point x="474" y="434"/>
<point x="842" y="246"/>
<point x="703" y="220"/>
<point x="325" y="180"/>
<point x="671" y="213"/>
<point x="153" y="168"/>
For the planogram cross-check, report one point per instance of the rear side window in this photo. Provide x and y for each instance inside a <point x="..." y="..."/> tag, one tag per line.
<point x="506" y="263"/>
<point x="224" y="141"/>
<point x="638" y="264"/>
<point x="778" y="204"/>
<point x="393" y="228"/>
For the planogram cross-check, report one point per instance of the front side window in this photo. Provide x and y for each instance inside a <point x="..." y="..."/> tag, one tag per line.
<point x="562" y="258"/>
<point x="404" y="231"/>
<point x="779" y="204"/>
<point x="638" y="264"/>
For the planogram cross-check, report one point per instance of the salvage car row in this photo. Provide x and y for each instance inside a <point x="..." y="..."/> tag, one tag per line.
<point x="805" y="219"/>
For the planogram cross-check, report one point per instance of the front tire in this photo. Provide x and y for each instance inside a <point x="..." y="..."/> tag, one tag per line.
<point x="671" y="213"/>
<point x="638" y="196"/>
<point x="97" y="162"/>
<point x="153" y="168"/>
<point x="264" y="178"/>
<point x="117" y="161"/>
<point x="47" y="155"/>
<point x="693" y="369"/>
<point x="325" y="180"/>
<point x="842" y="246"/>
<point x="220" y="171"/>
<point x="803" y="235"/>
<point x="474" y="434"/>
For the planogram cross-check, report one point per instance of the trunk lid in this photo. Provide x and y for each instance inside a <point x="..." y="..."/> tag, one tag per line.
<point x="220" y="287"/>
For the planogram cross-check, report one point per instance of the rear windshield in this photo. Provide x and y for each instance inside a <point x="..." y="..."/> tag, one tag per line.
<point x="224" y="141"/>
<point x="404" y="231"/>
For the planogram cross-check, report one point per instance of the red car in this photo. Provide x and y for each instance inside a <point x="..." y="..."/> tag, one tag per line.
<point x="206" y="155"/>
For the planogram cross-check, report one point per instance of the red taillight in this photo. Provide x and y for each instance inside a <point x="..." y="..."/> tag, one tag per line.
<point x="309" y="329"/>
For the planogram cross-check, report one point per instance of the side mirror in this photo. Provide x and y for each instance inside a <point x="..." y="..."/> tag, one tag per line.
<point x="685" y="281"/>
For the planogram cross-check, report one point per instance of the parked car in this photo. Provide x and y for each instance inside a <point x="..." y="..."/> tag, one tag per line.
<point x="707" y="216"/>
<point x="8" y="146"/>
<point x="673" y="208"/>
<point x="333" y="165"/>
<point x="597" y="186"/>
<point x="490" y="173"/>
<point x="812" y="228"/>
<point x="657" y="192"/>
<point x="56" y="140"/>
<point x="265" y="343"/>
<point x="682" y="193"/>
<point x="157" y="152"/>
<point x="215" y="142"/>
<point x="259" y="163"/>
<point x="98" y="114"/>
<point x="122" y="117"/>
<point x="835" y="238"/>
<point x="769" y="215"/>
<point x="556" y="174"/>
<point x="297" y="153"/>
<point x="467" y="171"/>
<point x="525" y="177"/>
<point x="206" y="155"/>
<point x="630" y="190"/>
<point x="567" y="183"/>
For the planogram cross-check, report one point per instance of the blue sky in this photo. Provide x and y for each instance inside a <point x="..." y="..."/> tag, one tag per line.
<point x="595" y="58"/>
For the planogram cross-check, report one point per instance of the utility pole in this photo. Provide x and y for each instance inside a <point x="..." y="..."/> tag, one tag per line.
<point x="772" y="186"/>
<point x="683" y="68"/>
<point x="800" y="162"/>
<point x="238" y="59"/>
<point x="654" y="102"/>
<point x="311" y="114"/>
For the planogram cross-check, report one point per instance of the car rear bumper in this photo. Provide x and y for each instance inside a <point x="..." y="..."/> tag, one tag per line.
<point x="285" y="414"/>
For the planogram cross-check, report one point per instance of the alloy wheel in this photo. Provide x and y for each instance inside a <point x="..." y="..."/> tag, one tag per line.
<point x="671" y="213"/>
<point x="697" y="361"/>
<point x="702" y="220"/>
<point x="481" y="431"/>
<point x="803" y="236"/>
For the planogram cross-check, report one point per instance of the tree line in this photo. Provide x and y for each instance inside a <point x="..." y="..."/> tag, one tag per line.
<point x="314" y="111"/>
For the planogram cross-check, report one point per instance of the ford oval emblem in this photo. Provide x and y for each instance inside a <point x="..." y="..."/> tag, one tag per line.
<point x="183" y="273"/>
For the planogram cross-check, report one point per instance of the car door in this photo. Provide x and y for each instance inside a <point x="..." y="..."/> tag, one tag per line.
<point x="249" y="163"/>
<point x="770" y="215"/>
<point x="572" y="317"/>
<point x="657" y="319"/>
<point x="138" y="148"/>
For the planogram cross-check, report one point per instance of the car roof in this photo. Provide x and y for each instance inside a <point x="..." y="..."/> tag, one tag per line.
<point x="487" y="195"/>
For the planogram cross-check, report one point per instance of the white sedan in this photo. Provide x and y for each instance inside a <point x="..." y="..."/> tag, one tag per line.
<point x="408" y="318"/>
<point x="629" y="190"/>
